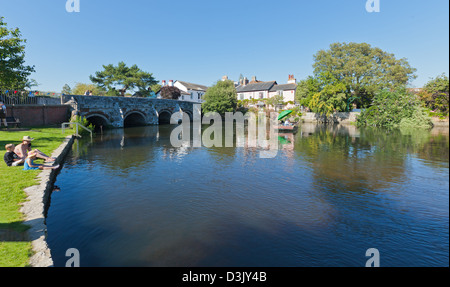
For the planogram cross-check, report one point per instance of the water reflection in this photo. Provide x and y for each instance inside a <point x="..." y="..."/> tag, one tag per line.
<point x="332" y="192"/>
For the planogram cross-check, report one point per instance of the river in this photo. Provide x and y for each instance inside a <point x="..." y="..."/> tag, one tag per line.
<point x="332" y="192"/>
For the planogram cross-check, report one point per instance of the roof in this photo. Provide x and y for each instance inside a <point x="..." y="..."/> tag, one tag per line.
<point x="285" y="87"/>
<point x="262" y="86"/>
<point x="194" y="87"/>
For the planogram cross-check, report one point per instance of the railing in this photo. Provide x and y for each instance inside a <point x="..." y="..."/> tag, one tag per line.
<point x="29" y="98"/>
<point x="63" y="126"/>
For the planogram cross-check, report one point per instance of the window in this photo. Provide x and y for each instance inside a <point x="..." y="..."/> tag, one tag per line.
<point x="261" y="95"/>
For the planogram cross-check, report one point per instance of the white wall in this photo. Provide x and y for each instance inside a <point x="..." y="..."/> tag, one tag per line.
<point x="253" y="95"/>
<point x="195" y="96"/>
<point x="287" y="95"/>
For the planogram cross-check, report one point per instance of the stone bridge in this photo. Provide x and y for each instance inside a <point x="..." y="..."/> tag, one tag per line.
<point x="122" y="112"/>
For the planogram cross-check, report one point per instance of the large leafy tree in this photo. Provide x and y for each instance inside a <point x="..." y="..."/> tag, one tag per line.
<point x="306" y="89"/>
<point x="331" y="97"/>
<point x="117" y="80"/>
<point x="220" y="98"/>
<point x="13" y="71"/>
<point x="363" y="69"/>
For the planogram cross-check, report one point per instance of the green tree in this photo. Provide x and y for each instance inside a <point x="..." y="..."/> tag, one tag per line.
<point x="332" y="96"/>
<point x="81" y="88"/>
<point x="13" y="71"/>
<point x="220" y="98"/>
<point x="363" y="69"/>
<point x="435" y="95"/>
<point x="66" y="90"/>
<point x="117" y="80"/>
<point x="275" y="101"/>
<point x="155" y="88"/>
<point x="306" y="89"/>
<point x="395" y="109"/>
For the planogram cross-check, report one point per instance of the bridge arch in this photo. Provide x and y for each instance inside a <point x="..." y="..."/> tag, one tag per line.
<point x="98" y="120"/>
<point x="134" y="118"/>
<point x="164" y="117"/>
<point x="189" y="113"/>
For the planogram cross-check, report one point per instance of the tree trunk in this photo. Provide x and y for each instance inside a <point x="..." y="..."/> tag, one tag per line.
<point x="123" y="91"/>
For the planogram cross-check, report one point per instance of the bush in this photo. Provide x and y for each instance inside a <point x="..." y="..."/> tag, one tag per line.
<point x="83" y="121"/>
<point x="393" y="109"/>
<point x="220" y="98"/>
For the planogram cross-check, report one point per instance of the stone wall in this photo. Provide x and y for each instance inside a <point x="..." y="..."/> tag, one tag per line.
<point x="39" y="115"/>
<point x="34" y="209"/>
<point x="338" y="118"/>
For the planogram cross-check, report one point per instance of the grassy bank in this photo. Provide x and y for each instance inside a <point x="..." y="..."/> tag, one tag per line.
<point x="15" y="247"/>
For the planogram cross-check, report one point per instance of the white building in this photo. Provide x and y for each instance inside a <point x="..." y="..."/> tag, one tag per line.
<point x="189" y="92"/>
<point x="286" y="90"/>
<point x="254" y="89"/>
<point x="264" y="90"/>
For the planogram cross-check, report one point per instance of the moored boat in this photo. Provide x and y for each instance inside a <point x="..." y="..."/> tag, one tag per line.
<point x="286" y="129"/>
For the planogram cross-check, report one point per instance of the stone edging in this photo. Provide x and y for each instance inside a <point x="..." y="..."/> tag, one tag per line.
<point x="34" y="208"/>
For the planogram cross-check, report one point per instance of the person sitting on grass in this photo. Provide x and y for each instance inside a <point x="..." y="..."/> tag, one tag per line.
<point x="22" y="150"/>
<point x="11" y="158"/>
<point x="30" y="165"/>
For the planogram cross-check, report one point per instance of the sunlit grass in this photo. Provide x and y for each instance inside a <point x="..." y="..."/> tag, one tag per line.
<point x="13" y="181"/>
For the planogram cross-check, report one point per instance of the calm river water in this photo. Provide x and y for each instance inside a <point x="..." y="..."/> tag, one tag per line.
<point x="131" y="199"/>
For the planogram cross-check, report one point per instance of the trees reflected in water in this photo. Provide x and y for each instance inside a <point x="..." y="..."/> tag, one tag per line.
<point x="336" y="153"/>
<point x="347" y="158"/>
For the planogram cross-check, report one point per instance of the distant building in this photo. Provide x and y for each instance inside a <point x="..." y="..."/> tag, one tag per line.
<point x="263" y="90"/>
<point x="254" y="90"/>
<point x="192" y="92"/>
<point x="286" y="90"/>
<point x="189" y="92"/>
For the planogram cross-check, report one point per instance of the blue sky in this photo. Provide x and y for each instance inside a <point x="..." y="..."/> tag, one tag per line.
<point x="200" y="41"/>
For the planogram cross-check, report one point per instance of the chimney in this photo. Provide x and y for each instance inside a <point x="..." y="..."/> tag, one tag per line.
<point x="171" y="83"/>
<point x="292" y="80"/>
<point x="245" y="81"/>
<point x="254" y="79"/>
<point x="224" y="78"/>
<point x="163" y="83"/>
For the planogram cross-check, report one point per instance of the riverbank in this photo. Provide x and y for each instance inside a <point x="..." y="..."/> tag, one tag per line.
<point x="351" y="117"/>
<point x="16" y="246"/>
